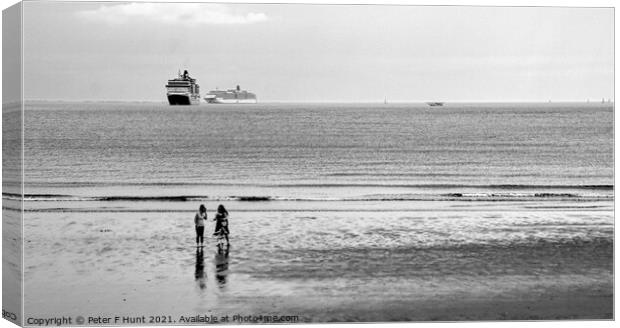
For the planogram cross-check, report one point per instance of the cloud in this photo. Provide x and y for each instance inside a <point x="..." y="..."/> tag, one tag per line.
<point x="171" y="13"/>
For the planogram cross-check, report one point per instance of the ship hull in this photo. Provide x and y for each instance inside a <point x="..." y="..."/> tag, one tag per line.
<point x="182" y="100"/>
<point x="230" y="101"/>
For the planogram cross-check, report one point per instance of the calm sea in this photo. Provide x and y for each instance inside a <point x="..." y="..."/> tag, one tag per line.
<point x="295" y="153"/>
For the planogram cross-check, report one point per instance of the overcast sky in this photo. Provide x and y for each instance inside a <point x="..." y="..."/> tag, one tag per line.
<point x="127" y="51"/>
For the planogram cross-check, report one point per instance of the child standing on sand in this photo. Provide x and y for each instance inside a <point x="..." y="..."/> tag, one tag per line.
<point x="199" y="221"/>
<point x="221" y="224"/>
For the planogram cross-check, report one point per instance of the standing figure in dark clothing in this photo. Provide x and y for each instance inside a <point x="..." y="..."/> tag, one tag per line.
<point x="221" y="224"/>
<point x="199" y="221"/>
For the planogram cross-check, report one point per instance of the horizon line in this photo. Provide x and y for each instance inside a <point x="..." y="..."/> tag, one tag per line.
<point x="605" y="101"/>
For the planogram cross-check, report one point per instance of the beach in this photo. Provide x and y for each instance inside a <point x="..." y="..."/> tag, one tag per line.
<point x="479" y="264"/>
<point x="343" y="213"/>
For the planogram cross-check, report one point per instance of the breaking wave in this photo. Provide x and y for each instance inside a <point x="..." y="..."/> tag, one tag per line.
<point x="455" y="196"/>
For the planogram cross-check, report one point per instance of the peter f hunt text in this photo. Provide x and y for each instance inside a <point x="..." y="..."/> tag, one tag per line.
<point x="99" y="320"/>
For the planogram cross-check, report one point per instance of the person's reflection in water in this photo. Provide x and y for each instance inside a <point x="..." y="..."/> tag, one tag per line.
<point x="200" y="274"/>
<point x="221" y="266"/>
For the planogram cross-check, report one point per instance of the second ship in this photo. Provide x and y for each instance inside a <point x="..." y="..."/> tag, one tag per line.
<point x="230" y="96"/>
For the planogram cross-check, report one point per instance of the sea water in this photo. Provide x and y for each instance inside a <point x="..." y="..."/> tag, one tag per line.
<point x="288" y="152"/>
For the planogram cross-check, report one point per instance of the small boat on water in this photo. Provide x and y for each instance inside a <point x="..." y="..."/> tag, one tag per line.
<point x="183" y="90"/>
<point x="435" y="104"/>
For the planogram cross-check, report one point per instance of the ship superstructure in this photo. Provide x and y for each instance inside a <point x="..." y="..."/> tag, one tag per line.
<point x="183" y="90"/>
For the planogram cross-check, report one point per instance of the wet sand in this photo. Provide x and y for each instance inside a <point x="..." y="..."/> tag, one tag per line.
<point x="324" y="266"/>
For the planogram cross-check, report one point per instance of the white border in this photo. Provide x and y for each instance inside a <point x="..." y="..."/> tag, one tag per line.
<point x="520" y="3"/>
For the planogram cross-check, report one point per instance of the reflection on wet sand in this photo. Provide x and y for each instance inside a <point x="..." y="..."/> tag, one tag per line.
<point x="200" y="274"/>
<point x="221" y="265"/>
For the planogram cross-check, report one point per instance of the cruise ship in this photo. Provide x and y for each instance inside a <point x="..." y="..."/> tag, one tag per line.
<point x="183" y="90"/>
<point x="230" y="96"/>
